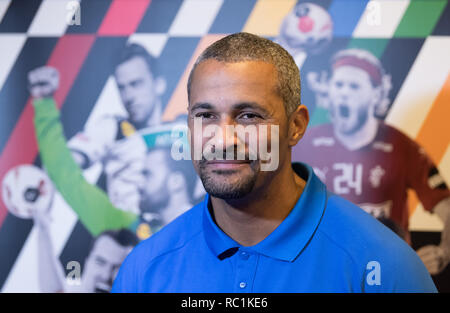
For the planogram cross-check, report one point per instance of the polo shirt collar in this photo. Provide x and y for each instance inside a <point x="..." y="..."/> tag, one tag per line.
<point x="288" y="240"/>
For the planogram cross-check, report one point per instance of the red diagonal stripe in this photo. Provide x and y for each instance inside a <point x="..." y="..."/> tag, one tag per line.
<point x="123" y="17"/>
<point x="68" y="56"/>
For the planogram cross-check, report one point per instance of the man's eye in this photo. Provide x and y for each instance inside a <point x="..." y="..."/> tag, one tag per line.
<point x="249" y="116"/>
<point x="204" y="115"/>
<point x="136" y="83"/>
<point x="100" y="261"/>
<point x="354" y="86"/>
<point x="339" y="84"/>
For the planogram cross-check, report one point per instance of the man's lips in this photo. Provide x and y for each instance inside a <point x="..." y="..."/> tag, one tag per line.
<point x="227" y="164"/>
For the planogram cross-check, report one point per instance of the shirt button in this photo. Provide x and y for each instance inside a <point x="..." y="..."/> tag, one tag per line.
<point x="244" y="255"/>
<point x="242" y="285"/>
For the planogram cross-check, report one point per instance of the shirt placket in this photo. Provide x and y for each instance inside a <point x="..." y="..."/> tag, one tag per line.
<point x="245" y="270"/>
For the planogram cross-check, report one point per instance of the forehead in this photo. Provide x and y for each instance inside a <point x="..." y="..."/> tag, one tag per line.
<point x="134" y="67"/>
<point x="351" y="73"/>
<point x="212" y="76"/>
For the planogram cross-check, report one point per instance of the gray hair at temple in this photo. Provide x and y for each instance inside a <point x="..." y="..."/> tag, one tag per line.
<point x="248" y="47"/>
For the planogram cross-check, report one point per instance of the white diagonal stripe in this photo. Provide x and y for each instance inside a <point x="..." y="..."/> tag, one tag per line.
<point x="422" y="85"/>
<point x="195" y="17"/>
<point x="4" y="4"/>
<point x="11" y="46"/>
<point x="380" y="18"/>
<point x="154" y="42"/>
<point x="51" y="18"/>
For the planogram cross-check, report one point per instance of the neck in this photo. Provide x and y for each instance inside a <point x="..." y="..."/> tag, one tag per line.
<point x="250" y="219"/>
<point x="155" y="116"/>
<point x="361" y="137"/>
<point x="153" y="119"/>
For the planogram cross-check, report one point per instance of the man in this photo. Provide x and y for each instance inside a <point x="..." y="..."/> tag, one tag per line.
<point x="168" y="191"/>
<point x="112" y="140"/>
<point x="100" y="267"/>
<point x="263" y="231"/>
<point x="105" y="141"/>
<point x="369" y="162"/>
<point x="93" y="207"/>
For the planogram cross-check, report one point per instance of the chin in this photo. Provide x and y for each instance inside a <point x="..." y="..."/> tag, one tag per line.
<point x="228" y="191"/>
<point x="228" y="186"/>
<point x="345" y="128"/>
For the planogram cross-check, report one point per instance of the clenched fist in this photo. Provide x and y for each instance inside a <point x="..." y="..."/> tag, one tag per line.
<point x="43" y="82"/>
<point x="434" y="258"/>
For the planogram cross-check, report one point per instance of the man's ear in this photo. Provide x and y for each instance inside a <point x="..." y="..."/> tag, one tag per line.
<point x="298" y="121"/>
<point x="160" y="85"/>
<point x="376" y="99"/>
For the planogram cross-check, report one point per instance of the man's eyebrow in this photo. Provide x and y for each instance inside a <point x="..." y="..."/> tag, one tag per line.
<point x="201" y="105"/>
<point x="249" y="105"/>
<point x="236" y="107"/>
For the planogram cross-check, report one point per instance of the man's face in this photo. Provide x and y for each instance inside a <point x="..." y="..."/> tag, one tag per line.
<point x="352" y="98"/>
<point x="242" y="93"/>
<point x="137" y="89"/>
<point x="103" y="264"/>
<point x="156" y="172"/>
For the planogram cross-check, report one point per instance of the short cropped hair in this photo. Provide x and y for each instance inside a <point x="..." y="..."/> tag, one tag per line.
<point x="248" y="47"/>
<point x="122" y="237"/>
<point x="133" y="50"/>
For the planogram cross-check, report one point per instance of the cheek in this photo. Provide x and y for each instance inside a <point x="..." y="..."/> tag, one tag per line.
<point x="147" y="95"/>
<point x="271" y="137"/>
<point x="331" y="91"/>
<point x="153" y="184"/>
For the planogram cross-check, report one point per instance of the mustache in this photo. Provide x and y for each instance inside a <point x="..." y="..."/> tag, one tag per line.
<point x="228" y="155"/>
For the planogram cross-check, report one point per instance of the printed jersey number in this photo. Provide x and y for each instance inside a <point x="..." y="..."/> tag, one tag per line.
<point x="349" y="177"/>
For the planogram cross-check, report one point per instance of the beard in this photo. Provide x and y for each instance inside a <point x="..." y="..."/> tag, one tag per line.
<point x="154" y="204"/>
<point x="228" y="184"/>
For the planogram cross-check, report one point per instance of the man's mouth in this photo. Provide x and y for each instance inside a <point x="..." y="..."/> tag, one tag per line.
<point x="227" y="164"/>
<point x="344" y="110"/>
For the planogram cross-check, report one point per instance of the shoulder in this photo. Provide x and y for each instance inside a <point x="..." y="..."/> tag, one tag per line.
<point x="170" y="239"/>
<point x="390" y="133"/>
<point x="367" y="241"/>
<point x="352" y="225"/>
<point x="399" y="142"/>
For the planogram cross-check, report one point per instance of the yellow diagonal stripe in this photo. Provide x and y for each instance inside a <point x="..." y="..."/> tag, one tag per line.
<point x="267" y="15"/>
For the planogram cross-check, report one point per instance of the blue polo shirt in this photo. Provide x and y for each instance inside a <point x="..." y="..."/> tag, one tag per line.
<point x="325" y="244"/>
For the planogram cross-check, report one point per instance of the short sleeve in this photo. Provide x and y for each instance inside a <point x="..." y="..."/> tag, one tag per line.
<point x="423" y="177"/>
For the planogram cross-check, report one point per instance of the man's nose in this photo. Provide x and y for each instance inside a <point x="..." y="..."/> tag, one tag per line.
<point x="344" y="91"/>
<point x="227" y="134"/>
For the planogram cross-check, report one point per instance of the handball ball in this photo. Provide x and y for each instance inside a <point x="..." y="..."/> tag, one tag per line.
<point x="25" y="189"/>
<point x="308" y="27"/>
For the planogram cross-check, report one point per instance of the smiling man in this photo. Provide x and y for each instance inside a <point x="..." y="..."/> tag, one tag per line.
<point x="257" y="230"/>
